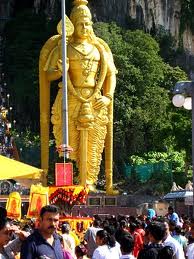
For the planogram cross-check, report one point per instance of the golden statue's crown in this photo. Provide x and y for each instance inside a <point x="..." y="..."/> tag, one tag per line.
<point x="80" y="2"/>
<point x="80" y="11"/>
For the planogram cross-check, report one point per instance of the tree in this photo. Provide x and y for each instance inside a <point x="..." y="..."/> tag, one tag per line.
<point x="143" y="109"/>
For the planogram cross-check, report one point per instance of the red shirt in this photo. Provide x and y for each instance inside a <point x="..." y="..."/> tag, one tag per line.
<point x="141" y="232"/>
<point x="138" y="243"/>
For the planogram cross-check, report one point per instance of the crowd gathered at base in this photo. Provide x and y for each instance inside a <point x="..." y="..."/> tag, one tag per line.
<point x="121" y="237"/>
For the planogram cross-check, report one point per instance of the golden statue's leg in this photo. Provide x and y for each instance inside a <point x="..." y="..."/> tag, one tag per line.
<point x="109" y="154"/>
<point x="83" y="156"/>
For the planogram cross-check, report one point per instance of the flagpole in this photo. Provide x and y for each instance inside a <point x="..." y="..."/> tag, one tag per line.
<point x="64" y="89"/>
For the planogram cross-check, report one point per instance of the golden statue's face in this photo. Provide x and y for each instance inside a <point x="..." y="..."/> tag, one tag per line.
<point x="83" y="28"/>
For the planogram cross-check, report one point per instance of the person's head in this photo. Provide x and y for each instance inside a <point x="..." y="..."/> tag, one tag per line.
<point x="186" y="225"/>
<point x="123" y="224"/>
<point x="96" y="223"/>
<point x="156" y="232"/>
<point x="138" y="223"/>
<point x="133" y="227"/>
<point x="110" y="229"/>
<point x="104" y="238"/>
<point x="82" y="19"/>
<point x="178" y="230"/>
<point x="172" y="225"/>
<point x="65" y="228"/>
<point x="80" y="251"/>
<point x="49" y="219"/>
<point x="167" y="229"/>
<point x="127" y="244"/>
<point x="5" y="233"/>
<point x="170" y="210"/>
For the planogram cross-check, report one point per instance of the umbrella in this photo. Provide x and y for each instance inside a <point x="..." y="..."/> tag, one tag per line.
<point x="12" y="169"/>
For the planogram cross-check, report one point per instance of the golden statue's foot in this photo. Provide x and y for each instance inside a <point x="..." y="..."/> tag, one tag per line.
<point x="111" y="191"/>
<point x="92" y="188"/>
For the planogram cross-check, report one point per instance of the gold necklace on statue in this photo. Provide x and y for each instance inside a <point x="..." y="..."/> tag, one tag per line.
<point x="80" y="48"/>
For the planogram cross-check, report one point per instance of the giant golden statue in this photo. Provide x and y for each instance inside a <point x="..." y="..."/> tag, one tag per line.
<point x="91" y="80"/>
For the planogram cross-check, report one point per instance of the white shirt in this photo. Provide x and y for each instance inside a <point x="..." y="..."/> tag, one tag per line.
<point x="69" y="241"/>
<point x="190" y="251"/>
<point x="104" y="252"/>
<point x="129" y="256"/>
<point x="116" y="249"/>
<point x="177" y="248"/>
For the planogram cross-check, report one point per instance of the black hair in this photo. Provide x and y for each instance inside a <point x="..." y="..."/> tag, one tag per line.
<point x="178" y="230"/>
<point x="172" y="223"/>
<point x="110" y="230"/>
<point x="96" y="223"/>
<point x="127" y="244"/>
<point x="133" y="226"/>
<point x="123" y="224"/>
<point x="49" y="208"/>
<point x="65" y="228"/>
<point x="106" y="237"/>
<point x="157" y="230"/>
<point x="3" y="223"/>
<point x="80" y="250"/>
<point x="171" y="208"/>
<point x="138" y="222"/>
<point x="3" y="213"/>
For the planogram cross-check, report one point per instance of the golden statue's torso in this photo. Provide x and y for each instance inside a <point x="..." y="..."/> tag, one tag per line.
<point x="83" y="64"/>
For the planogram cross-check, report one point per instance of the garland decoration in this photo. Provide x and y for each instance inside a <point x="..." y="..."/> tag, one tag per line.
<point x="70" y="196"/>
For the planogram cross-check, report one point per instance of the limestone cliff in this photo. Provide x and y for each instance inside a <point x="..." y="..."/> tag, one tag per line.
<point x="149" y="14"/>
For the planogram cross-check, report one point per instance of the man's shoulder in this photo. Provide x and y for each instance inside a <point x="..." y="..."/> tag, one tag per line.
<point x="34" y="237"/>
<point x="149" y="252"/>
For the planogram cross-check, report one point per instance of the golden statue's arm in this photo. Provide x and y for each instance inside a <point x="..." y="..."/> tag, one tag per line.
<point x="50" y="68"/>
<point x="46" y="74"/>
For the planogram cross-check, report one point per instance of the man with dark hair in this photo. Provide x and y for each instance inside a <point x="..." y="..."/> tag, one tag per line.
<point x="121" y="231"/>
<point x="173" y="216"/>
<point x="127" y="245"/>
<point x="156" y="233"/>
<point x="44" y="242"/>
<point x="170" y="241"/>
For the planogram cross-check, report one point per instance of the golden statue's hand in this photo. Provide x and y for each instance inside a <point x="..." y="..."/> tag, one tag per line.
<point x="60" y="64"/>
<point x="102" y="102"/>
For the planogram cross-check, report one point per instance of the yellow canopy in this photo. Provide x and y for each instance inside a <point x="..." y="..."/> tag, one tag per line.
<point x="12" y="169"/>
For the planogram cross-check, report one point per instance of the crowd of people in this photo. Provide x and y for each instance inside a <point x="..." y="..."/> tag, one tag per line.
<point x="122" y="237"/>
